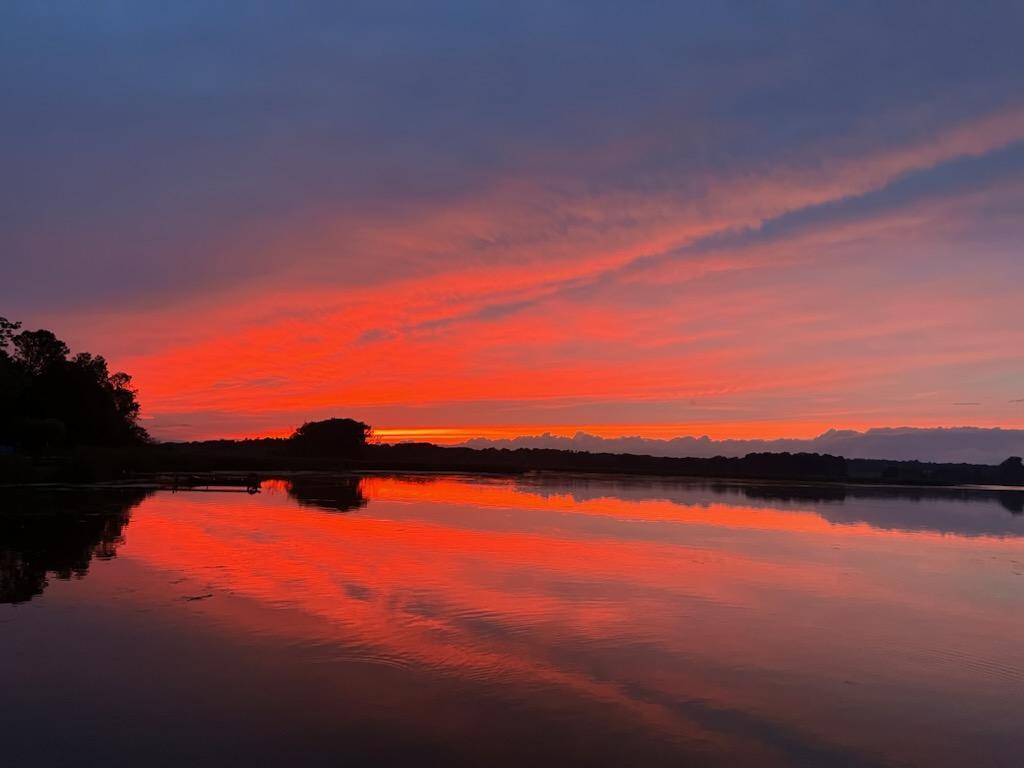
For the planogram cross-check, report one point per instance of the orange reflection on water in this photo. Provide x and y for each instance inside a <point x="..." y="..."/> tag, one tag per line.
<point x="503" y="494"/>
<point x="604" y="597"/>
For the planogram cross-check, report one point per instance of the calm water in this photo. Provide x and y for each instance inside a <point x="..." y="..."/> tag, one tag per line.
<point x="484" y="621"/>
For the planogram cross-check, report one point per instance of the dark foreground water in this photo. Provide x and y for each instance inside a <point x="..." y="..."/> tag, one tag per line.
<point x="484" y="621"/>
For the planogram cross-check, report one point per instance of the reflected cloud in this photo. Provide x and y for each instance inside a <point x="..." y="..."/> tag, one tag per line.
<point x="769" y="625"/>
<point x="946" y="511"/>
<point x="677" y="609"/>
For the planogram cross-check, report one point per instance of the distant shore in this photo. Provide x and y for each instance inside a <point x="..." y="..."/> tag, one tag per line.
<point x="259" y="458"/>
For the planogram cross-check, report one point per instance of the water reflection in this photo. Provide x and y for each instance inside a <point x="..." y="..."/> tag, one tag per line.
<point x="55" y="533"/>
<point x="960" y="511"/>
<point x="338" y="493"/>
<point x="538" y="620"/>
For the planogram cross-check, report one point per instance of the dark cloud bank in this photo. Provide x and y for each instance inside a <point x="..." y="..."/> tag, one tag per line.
<point x="956" y="444"/>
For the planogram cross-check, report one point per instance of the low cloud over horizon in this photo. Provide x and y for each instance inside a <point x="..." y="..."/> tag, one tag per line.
<point x="972" y="445"/>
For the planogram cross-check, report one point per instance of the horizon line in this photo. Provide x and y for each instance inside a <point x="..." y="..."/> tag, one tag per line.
<point x="457" y="435"/>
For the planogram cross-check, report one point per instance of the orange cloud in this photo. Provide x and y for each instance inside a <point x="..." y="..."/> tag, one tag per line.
<point x="505" y="305"/>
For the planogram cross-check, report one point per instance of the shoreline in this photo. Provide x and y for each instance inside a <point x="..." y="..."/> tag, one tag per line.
<point x="231" y="482"/>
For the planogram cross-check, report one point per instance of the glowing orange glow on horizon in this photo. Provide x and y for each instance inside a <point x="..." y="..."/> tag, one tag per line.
<point x="759" y="430"/>
<point x="754" y="430"/>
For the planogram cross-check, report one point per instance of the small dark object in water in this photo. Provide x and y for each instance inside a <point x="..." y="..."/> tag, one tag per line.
<point x="252" y="483"/>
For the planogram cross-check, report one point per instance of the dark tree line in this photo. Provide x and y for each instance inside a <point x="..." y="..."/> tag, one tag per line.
<point x="51" y="400"/>
<point x="774" y="466"/>
<point x="342" y="444"/>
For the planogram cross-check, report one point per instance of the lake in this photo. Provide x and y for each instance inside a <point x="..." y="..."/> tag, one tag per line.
<point x="489" y="621"/>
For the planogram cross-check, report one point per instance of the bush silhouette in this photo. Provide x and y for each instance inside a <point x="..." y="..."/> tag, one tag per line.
<point x="331" y="437"/>
<point x="1011" y="471"/>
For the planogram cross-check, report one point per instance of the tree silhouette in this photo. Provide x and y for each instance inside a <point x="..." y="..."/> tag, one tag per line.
<point x="50" y="400"/>
<point x="1011" y="471"/>
<point x="331" y="437"/>
<point x="39" y="351"/>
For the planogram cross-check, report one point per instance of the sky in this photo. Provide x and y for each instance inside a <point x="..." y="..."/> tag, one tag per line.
<point x="460" y="219"/>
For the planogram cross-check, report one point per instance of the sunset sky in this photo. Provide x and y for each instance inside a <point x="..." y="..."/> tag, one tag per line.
<point x="452" y="219"/>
